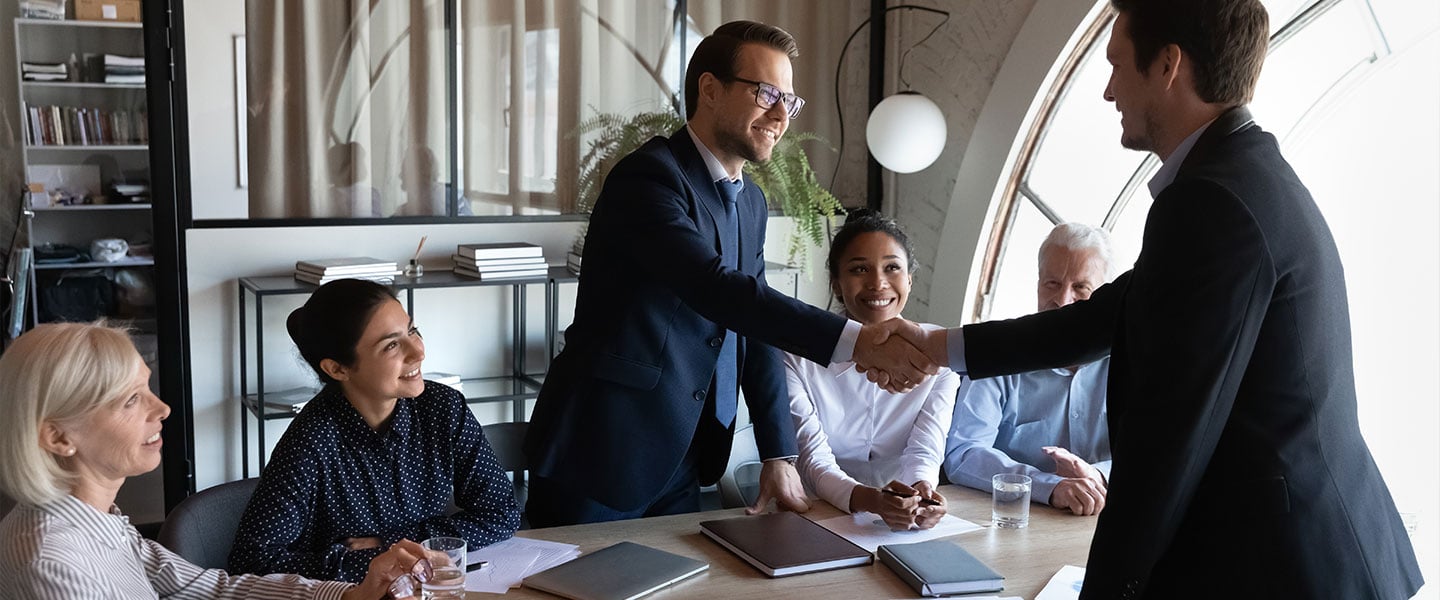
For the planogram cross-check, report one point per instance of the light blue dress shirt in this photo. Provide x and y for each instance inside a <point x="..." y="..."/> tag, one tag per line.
<point x="1001" y="423"/>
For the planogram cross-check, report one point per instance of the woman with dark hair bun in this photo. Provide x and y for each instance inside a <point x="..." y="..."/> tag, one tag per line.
<point x="379" y="455"/>
<point x="862" y="448"/>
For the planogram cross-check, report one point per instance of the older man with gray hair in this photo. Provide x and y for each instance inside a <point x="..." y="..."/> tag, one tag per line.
<point x="1047" y="424"/>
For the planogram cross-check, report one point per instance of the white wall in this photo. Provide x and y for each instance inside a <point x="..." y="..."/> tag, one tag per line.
<point x="210" y="27"/>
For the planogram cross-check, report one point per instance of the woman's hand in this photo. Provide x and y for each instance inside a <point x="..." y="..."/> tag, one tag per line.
<point x="929" y="514"/>
<point x="362" y="543"/>
<point x="401" y="560"/>
<point x="897" y="507"/>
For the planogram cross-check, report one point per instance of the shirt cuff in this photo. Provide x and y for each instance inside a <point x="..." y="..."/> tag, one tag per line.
<point x="955" y="346"/>
<point x="845" y="347"/>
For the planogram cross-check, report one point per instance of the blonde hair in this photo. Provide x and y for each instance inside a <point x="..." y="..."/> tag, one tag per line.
<point x="57" y="372"/>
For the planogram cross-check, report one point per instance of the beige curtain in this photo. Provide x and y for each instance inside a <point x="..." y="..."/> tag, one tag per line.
<point x="531" y="71"/>
<point x="347" y="108"/>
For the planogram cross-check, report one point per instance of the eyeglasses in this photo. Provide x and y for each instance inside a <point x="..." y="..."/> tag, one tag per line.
<point x="767" y="95"/>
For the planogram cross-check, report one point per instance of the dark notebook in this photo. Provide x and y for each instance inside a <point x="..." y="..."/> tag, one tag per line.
<point x="940" y="567"/>
<point x="784" y="543"/>
<point x="620" y="572"/>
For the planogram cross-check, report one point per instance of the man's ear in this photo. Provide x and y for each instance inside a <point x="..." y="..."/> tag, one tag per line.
<point x="334" y="369"/>
<point x="710" y="87"/>
<point x="1170" y="60"/>
<point x="54" y="440"/>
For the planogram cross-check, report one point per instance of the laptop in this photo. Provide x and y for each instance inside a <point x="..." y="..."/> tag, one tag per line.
<point x="620" y="572"/>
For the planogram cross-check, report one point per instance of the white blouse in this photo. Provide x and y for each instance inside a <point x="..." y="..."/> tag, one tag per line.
<point x="851" y="432"/>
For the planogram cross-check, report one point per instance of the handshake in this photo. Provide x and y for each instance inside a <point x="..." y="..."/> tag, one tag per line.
<point x="898" y="354"/>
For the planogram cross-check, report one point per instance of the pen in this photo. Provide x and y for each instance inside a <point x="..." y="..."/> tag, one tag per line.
<point x="477" y="565"/>
<point x="925" y="501"/>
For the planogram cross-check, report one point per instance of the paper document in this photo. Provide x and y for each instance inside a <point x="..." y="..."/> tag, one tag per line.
<point x="1065" y="585"/>
<point x="512" y="561"/>
<point x="868" y="531"/>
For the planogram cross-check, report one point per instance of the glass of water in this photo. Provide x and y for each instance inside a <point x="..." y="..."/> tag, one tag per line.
<point x="447" y="559"/>
<point x="1010" y="500"/>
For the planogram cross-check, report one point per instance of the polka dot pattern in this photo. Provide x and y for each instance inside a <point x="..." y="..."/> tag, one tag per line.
<point x="332" y="478"/>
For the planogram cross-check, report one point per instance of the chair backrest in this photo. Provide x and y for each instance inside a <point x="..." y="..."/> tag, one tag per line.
<point x="508" y="442"/>
<point x="202" y="528"/>
<point x="740" y="484"/>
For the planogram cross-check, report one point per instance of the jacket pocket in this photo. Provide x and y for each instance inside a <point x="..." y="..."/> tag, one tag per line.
<point x="626" y="372"/>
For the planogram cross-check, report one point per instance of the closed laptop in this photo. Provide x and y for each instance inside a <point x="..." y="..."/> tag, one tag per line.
<point x="620" y="572"/>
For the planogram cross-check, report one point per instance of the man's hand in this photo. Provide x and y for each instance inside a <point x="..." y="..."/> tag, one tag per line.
<point x="780" y="482"/>
<point x="887" y="357"/>
<point x="400" y="560"/>
<point x="1069" y="465"/>
<point x="929" y="516"/>
<point x="1080" y="494"/>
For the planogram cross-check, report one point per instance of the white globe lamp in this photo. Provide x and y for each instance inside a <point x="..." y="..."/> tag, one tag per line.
<point x="906" y="132"/>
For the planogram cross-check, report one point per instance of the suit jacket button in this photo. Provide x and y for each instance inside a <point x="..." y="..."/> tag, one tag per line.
<point x="715" y="342"/>
<point x="700" y="396"/>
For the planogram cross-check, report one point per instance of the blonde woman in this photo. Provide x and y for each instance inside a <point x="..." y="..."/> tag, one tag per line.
<point x="77" y="418"/>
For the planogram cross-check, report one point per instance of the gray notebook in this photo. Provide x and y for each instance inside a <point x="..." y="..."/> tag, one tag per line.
<point x="621" y="572"/>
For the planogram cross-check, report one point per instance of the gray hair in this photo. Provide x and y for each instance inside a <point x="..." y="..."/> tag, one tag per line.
<point x="1078" y="236"/>
<point x="59" y="373"/>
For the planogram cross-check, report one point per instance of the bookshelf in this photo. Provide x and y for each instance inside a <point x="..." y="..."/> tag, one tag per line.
<point x="521" y="383"/>
<point x="83" y="130"/>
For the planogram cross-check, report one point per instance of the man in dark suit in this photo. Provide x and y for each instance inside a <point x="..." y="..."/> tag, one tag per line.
<point x="1239" y="469"/>
<point x="673" y="312"/>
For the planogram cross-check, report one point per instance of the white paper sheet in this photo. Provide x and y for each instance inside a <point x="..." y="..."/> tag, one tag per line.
<point x="868" y="531"/>
<point x="512" y="561"/>
<point x="1065" y="585"/>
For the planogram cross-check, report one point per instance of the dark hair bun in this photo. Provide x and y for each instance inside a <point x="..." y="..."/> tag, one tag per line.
<point x="861" y="214"/>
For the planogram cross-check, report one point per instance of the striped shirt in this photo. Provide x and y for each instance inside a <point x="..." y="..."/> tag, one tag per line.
<point x="67" y="549"/>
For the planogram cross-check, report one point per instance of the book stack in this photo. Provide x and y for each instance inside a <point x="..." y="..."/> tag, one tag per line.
<point x="449" y="379"/>
<point x="124" y="69"/>
<point x="490" y="262"/>
<point x="323" y="271"/>
<point x="572" y="262"/>
<point x="44" y="71"/>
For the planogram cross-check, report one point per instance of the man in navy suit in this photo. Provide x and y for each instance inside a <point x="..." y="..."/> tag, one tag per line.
<point x="1239" y="469"/>
<point x="673" y="313"/>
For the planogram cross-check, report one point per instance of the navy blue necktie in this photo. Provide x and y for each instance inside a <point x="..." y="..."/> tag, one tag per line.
<point x="727" y="368"/>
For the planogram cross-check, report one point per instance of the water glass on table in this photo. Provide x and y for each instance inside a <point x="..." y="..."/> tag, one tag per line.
<point x="1010" y="500"/>
<point x="447" y="559"/>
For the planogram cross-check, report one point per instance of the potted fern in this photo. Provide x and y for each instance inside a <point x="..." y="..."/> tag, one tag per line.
<point x="787" y="180"/>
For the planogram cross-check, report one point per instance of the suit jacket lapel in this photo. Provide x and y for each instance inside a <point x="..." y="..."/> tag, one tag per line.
<point x="692" y="165"/>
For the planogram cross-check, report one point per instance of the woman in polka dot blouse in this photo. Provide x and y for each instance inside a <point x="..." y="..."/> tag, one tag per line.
<point x="376" y="457"/>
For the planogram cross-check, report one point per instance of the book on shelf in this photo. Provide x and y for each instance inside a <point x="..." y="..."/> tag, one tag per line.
<point x="385" y="278"/>
<point x="500" y="275"/>
<point x="939" y="567"/>
<point x="337" y="266"/>
<point x="449" y="379"/>
<point x="485" y="267"/>
<point x="784" y="543"/>
<point x="625" y="570"/>
<point x="572" y="262"/>
<point x="289" y="401"/>
<point x="525" y="260"/>
<point x="499" y="250"/>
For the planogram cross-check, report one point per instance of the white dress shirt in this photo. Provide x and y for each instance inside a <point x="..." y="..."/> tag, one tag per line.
<point x="851" y="432"/>
<point x="68" y="549"/>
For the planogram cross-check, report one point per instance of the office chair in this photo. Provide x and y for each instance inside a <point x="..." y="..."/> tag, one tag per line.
<point x="508" y="442"/>
<point x="202" y="528"/>
<point x="740" y="484"/>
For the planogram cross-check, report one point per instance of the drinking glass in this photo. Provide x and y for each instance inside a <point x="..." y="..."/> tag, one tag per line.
<point x="447" y="559"/>
<point x="1010" y="500"/>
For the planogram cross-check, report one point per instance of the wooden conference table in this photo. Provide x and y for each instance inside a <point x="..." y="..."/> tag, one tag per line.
<point x="1026" y="557"/>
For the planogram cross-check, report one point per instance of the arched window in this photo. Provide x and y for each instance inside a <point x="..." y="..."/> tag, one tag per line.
<point x="1352" y="92"/>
